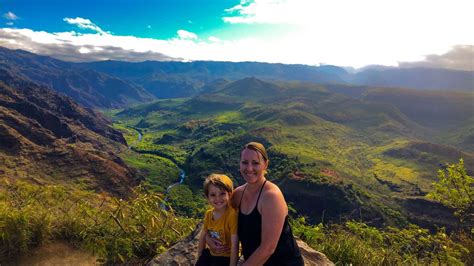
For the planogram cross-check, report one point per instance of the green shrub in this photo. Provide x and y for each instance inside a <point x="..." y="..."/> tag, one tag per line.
<point x="359" y="244"/>
<point x="116" y="230"/>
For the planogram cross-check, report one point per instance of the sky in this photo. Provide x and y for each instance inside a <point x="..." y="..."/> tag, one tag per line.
<point x="350" y="33"/>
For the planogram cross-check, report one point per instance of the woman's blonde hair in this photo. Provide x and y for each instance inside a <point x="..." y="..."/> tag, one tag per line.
<point x="221" y="181"/>
<point x="258" y="147"/>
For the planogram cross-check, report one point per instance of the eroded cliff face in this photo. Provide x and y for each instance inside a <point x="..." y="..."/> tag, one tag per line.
<point x="185" y="253"/>
<point x="47" y="137"/>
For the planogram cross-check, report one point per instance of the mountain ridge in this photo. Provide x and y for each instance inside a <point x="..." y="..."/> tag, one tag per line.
<point x="117" y="84"/>
<point x="49" y="138"/>
<point x="206" y="71"/>
<point x="86" y="86"/>
<point x="345" y="153"/>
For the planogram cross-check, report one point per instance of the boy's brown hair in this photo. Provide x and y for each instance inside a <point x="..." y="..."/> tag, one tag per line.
<point x="221" y="181"/>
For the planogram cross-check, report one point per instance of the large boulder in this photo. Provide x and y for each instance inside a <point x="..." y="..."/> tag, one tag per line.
<point x="185" y="253"/>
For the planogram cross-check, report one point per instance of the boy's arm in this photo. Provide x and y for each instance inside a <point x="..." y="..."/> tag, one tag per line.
<point x="202" y="241"/>
<point x="234" y="249"/>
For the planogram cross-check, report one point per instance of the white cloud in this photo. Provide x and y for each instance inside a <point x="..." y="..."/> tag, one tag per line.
<point x="269" y="11"/>
<point x="379" y="39"/>
<point x="84" y="50"/>
<point x="76" y="47"/>
<point x="362" y="32"/>
<point x="186" y="35"/>
<point x="69" y="45"/>
<point x="234" y="9"/>
<point x="214" y="39"/>
<point x="460" y="57"/>
<point x="323" y="13"/>
<point x="10" y="16"/>
<point x="84" y="24"/>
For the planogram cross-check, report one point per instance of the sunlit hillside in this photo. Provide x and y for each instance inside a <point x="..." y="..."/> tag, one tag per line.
<point x="357" y="163"/>
<point x="376" y="155"/>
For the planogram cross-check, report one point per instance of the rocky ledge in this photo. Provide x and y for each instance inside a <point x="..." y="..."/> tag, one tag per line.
<point x="185" y="253"/>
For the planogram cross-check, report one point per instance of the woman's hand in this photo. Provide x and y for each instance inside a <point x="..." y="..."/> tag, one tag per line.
<point x="216" y="246"/>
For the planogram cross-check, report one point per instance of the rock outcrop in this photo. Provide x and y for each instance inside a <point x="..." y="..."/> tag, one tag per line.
<point x="185" y="253"/>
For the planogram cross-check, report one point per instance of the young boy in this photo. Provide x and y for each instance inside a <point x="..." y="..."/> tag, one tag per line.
<point x="219" y="222"/>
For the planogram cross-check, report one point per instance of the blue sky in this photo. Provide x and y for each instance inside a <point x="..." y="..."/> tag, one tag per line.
<point x="140" y="18"/>
<point x="355" y="33"/>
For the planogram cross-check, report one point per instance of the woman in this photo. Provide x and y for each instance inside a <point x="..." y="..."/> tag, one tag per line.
<point x="263" y="227"/>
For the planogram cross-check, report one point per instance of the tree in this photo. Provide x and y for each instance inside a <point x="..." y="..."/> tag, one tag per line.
<point x="455" y="189"/>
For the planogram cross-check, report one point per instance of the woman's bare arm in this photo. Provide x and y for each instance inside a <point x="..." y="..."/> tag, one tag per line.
<point x="202" y="241"/>
<point x="234" y="250"/>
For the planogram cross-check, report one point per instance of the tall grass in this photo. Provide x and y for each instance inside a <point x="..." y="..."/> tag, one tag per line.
<point x="359" y="244"/>
<point x="116" y="230"/>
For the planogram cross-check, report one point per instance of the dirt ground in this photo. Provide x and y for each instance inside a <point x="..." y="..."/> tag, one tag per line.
<point x="52" y="254"/>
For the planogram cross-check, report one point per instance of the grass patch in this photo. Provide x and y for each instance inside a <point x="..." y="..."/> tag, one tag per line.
<point x="158" y="171"/>
<point x="359" y="244"/>
<point x="116" y="230"/>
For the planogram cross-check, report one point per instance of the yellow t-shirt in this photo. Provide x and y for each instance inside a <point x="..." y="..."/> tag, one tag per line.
<point x="221" y="228"/>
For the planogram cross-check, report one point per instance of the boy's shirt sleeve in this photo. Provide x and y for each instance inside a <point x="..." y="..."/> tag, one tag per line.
<point x="207" y="219"/>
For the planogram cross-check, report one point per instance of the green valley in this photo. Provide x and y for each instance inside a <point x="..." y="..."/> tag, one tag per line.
<point x="374" y="155"/>
<point x="121" y="175"/>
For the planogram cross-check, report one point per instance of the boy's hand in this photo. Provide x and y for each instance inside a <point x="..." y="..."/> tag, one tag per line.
<point x="216" y="246"/>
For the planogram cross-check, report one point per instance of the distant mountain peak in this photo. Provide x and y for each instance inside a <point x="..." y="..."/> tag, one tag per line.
<point x="252" y="82"/>
<point x="251" y="87"/>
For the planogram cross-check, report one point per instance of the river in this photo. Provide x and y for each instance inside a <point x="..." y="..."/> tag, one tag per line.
<point x="182" y="174"/>
<point x="140" y="136"/>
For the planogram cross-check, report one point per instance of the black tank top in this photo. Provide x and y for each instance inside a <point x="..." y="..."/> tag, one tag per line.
<point x="250" y="233"/>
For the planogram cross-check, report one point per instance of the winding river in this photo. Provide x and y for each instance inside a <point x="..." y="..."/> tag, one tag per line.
<point x="140" y="137"/>
<point x="182" y="174"/>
